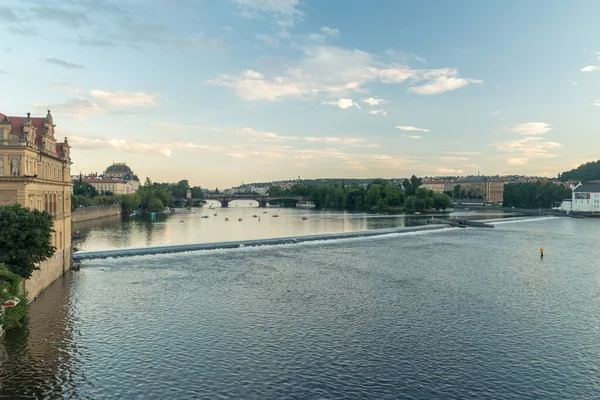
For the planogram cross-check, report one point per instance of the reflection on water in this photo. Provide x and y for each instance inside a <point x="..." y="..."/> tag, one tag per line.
<point x="223" y="225"/>
<point x="44" y="353"/>
<point x="452" y="314"/>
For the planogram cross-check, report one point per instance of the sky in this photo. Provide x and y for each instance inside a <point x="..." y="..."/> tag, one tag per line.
<point x="231" y="91"/>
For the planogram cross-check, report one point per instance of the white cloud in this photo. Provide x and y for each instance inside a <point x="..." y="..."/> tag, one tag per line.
<point x="412" y="136"/>
<point x="342" y="103"/>
<point x="124" y="99"/>
<point x="596" y="103"/>
<point x="377" y="112"/>
<point x="258" y="135"/>
<point x="333" y="71"/>
<point x="531" y="128"/>
<point x="411" y="128"/>
<point x="496" y="112"/>
<point x="333" y="140"/>
<point x="120" y="145"/>
<point x="330" y="31"/>
<point x="590" y="68"/>
<point x="527" y="148"/>
<point x="455" y="158"/>
<point x="442" y="84"/>
<point x="65" y="86"/>
<point x="374" y="101"/>
<point x="448" y="171"/>
<point x="79" y="108"/>
<point x="466" y="153"/>
<point x="252" y="74"/>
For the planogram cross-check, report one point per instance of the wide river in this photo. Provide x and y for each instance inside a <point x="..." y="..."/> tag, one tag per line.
<point x="450" y="314"/>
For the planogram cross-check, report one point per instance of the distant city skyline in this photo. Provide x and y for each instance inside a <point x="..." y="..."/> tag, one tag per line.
<point x="224" y="92"/>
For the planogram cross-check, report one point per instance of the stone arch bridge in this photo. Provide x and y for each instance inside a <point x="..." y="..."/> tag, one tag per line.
<point x="262" y="200"/>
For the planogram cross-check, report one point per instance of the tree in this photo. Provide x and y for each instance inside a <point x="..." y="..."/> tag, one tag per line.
<point x="457" y="191"/>
<point x="130" y="202"/>
<point x="585" y="173"/>
<point x="84" y="189"/>
<point x="197" y="192"/>
<point x="24" y="239"/>
<point x="10" y="288"/>
<point x="275" y="191"/>
<point x="155" y="205"/>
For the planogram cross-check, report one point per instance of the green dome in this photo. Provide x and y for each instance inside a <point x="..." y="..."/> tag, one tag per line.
<point x="119" y="169"/>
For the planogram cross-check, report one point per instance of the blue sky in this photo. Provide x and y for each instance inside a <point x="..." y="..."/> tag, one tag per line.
<point x="221" y="92"/>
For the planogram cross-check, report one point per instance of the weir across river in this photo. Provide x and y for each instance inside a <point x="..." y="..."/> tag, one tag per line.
<point x="90" y="255"/>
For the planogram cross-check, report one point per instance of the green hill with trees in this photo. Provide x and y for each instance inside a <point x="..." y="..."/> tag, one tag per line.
<point x="585" y="173"/>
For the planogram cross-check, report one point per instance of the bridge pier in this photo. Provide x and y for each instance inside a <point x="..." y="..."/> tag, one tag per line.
<point x="263" y="203"/>
<point x="224" y="203"/>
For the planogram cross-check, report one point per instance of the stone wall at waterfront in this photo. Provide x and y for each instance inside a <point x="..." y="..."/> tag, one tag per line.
<point x="50" y="270"/>
<point x="95" y="212"/>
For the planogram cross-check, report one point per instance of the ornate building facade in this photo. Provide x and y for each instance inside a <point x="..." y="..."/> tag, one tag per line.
<point x="35" y="171"/>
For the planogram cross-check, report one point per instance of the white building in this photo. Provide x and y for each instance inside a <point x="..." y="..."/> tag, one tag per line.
<point x="586" y="198"/>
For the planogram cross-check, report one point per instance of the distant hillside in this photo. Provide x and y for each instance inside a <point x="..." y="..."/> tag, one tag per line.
<point x="585" y="172"/>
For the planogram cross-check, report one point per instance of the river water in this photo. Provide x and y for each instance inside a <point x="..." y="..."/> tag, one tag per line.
<point x="256" y="223"/>
<point x="456" y="313"/>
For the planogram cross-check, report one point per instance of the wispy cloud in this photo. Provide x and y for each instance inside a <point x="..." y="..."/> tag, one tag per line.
<point x="412" y="136"/>
<point x="64" y="63"/>
<point x="531" y="128"/>
<point x="334" y="71"/>
<point x="527" y="149"/>
<point x="333" y="140"/>
<point x="466" y="153"/>
<point x="61" y="16"/>
<point x="411" y="128"/>
<point x="342" y="103"/>
<point x="590" y="68"/>
<point x="330" y="31"/>
<point x="377" y="112"/>
<point x="374" y="101"/>
<point x="124" y="99"/>
<point x="258" y="135"/>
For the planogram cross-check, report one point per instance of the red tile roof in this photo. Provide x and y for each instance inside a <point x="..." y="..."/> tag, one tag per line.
<point x="37" y="122"/>
<point x="17" y="130"/>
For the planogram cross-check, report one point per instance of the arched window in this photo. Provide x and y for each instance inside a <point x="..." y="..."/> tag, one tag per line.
<point x="46" y="202"/>
<point x="60" y="245"/>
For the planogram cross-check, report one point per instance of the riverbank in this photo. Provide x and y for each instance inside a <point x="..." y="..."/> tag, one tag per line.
<point x="90" y="213"/>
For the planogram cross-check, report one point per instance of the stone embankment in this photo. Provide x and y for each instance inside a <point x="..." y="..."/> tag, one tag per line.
<point x="95" y="212"/>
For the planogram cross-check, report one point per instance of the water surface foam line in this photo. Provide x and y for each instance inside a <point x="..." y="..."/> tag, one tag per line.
<point x="91" y="255"/>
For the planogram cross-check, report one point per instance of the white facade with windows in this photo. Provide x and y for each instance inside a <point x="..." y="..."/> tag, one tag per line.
<point x="585" y="198"/>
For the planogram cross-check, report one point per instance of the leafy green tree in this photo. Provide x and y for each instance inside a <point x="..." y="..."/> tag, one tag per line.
<point x="197" y="192"/>
<point x="275" y="191"/>
<point x="457" y="191"/>
<point x="10" y="288"/>
<point x="442" y="201"/>
<point x="155" y="205"/>
<point x="84" y="189"/>
<point x="130" y="202"/>
<point x="534" y="195"/>
<point x="24" y="239"/>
